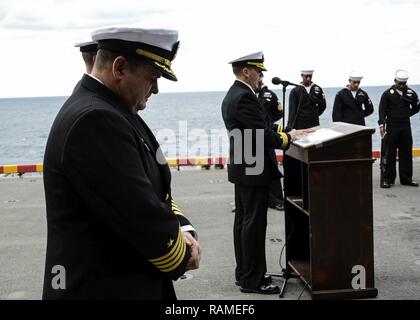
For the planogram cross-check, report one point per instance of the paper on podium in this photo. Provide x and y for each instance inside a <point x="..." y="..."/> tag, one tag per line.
<point x="317" y="137"/>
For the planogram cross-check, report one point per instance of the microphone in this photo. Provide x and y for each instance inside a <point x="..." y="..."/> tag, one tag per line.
<point x="277" y="81"/>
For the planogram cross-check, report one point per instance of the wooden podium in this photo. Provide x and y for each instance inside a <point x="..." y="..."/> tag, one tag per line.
<point x="329" y="211"/>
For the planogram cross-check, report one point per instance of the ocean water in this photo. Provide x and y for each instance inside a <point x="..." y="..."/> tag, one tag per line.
<point x="178" y="119"/>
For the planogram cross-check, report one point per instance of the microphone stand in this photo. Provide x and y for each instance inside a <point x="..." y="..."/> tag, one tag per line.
<point x="285" y="84"/>
<point x="284" y="105"/>
<point x="286" y="273"/>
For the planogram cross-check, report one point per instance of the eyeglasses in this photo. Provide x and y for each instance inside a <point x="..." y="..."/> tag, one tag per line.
<point x="399" y="83"/>
<point x="355" y="82"/>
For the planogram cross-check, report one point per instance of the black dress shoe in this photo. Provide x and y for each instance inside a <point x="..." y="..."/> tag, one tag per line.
<point x="411" y="184"/>
<point x="267" y="280"/>
<point x="386" y="185"/>
<point x="278" y="207"/>
<point x="263" y="289"/>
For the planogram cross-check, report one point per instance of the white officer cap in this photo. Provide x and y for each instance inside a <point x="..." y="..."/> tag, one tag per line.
<point x="87" y="46"/>
<point x="401" y="75"/>
<point x="254" y="59"/>
<point x="155" y="46"/>
<point x="307" y="72"/>
<point x="355" y="76"/>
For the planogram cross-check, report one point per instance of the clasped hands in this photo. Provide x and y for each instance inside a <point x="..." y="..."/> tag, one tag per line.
<point x="195" y="250"/>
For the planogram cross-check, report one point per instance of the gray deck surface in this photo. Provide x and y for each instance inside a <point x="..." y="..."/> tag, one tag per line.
<point x="206" y="198"/>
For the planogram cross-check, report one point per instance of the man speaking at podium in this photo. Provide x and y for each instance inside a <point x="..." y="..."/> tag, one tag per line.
<point x="242" y="114"/>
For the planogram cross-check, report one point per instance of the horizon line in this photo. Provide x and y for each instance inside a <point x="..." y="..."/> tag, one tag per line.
<point x="198" y="91"/>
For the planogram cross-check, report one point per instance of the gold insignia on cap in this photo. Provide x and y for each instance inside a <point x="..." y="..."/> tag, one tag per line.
<point x="164" y="68"/>
<point x="154" y="57"/>
<point x="257" y="64"/>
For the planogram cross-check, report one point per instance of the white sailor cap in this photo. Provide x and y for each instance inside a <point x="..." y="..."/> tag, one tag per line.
<point x="155" y="46"/>
<point x="307" y="72"/>
<point x="254" y="59"/>
<point x="87" y="46"/>
<point x="401" y="75"/>
<point x="355" y="76"/>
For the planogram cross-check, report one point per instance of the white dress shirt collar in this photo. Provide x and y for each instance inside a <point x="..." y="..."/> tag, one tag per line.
<point x="95" y="78"/>
<point x="247" y="85"/>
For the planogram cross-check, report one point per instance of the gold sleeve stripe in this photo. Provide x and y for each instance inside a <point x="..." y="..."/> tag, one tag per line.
<point x="181" y="258"/>
<point x="279" y="128"/>
<point x="285" y="140"/>
<point x="167" y="262"/>
<point x="176" y="261"/>
<point x="178" y="213"/>
<point x="180" y="255"/>
<point x="170" y="253"/>
<point x="176" y="209"/>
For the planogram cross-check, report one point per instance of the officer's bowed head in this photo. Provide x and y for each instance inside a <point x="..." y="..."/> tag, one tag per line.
<point x="157" y="47"/>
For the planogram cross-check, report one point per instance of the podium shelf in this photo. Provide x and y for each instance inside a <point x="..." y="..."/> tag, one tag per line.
<point x="303" y="270"/>
<point x="297" y="202"/>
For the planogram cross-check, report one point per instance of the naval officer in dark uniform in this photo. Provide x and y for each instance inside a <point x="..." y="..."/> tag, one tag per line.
<point x="352" y="104"/>
<point x="245" y="121"/>
<point x="114" y="231"/>
<point x="397" y="105"/>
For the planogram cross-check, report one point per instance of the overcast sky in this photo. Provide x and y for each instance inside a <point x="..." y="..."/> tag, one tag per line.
<point x="333" y="37"/>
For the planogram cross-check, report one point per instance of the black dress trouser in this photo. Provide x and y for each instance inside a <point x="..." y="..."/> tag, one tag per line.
<point x="249" y="233"/>
<point x="275" y="196"/>
<point x="398" y="137"/>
